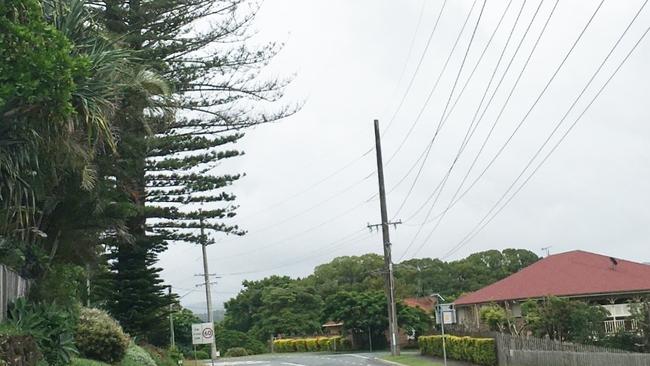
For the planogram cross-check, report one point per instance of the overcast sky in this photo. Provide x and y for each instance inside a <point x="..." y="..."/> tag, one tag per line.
<point x="305" y="199"/>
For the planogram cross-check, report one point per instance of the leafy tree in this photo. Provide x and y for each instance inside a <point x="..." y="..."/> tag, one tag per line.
<point x="424" y="276"/>
<point x="564" y="319"/>
<point x="56" y="103"/>
<point x="410" y="318"/>
<point x="348" y="273"/>
<point x="362" y="313"/>
<point x="226" y="339"/>
<point x="241" y="310"/>
<point x="293" y="310"/>
<point x="183" y="320"/>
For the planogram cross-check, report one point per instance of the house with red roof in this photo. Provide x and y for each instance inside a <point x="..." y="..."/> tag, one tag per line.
<point x="598" y="279"/>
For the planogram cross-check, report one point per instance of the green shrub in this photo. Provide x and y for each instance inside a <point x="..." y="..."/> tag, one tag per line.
<point x="137" y="356"/>
<point x="481" y="351"/>
<point x="336" y="343"/>
<point x="236" y="352"/>
<point x="226" y="338"/>
<point x="283" y="345"/>
<point x="100" y="337"/>
<point x="324" y="344"/>
<point x="311" y="344"/>
<point x="51" y="327"/>
<point x="300" y="344"/>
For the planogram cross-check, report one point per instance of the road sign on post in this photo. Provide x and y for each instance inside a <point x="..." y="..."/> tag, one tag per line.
<point x="202" y="333"/>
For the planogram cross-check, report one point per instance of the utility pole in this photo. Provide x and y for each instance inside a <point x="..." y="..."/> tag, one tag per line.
<point x="172" y="341"/>
<point x="206" y="279"/>
<point x="388" y="262"/>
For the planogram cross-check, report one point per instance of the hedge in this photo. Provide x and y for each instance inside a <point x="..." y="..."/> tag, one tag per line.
<point x="316" y="344"/>
<point x="481" y="351"/>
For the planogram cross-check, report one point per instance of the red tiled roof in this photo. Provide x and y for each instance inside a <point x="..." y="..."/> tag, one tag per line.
<point x="425" y="303"/>
<point x="566" y="274"/>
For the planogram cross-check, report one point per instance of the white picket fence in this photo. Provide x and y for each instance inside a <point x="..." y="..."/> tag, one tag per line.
<point x="12" y="286"/>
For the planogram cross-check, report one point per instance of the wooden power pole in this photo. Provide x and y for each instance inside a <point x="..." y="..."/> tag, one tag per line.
<point x="206" y="279"/>
<point x="388" y="261"/>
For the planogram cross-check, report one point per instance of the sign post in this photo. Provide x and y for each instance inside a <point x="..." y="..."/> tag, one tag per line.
<point x="203" y="333"/>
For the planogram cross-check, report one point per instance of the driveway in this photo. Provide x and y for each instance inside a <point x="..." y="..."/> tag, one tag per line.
<point x="304" y="359"/>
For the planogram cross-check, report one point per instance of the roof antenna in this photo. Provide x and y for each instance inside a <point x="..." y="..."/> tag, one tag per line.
<point x="546" y="249"/>
<point x="614" y="263"/>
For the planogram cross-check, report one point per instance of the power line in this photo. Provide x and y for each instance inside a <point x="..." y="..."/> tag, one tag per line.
<point x="408" y="58"/>
<point x="474" y="123"/>
<point x="428" y="149"/>
<point x="530" y="109"/>
<point x="370" y="150"/>
<point x="458" y="97"/>
<point x="435" y="85"/>
<point x="417" y="68"/>
<point x="297" y="235"/>
<point x="330" y="248"/>
<point x="489" y="103"/>
<point x="433" y="193"/>
<point x="479" y="227"/>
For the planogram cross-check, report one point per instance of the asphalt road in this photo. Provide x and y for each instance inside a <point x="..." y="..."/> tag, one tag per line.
<point x="304" y="359"/>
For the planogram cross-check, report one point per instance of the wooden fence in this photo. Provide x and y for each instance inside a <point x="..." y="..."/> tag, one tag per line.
<point x="12" y="286"/>
<point x="528" y="351"/>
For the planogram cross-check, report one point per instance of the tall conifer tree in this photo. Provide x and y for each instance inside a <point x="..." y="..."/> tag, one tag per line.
<point x="165" y="171"/>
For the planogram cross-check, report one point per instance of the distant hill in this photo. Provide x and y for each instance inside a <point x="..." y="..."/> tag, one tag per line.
<point x="217" y="315"/>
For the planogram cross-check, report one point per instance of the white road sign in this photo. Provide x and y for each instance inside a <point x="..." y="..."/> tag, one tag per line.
<point x="202" y="333"/>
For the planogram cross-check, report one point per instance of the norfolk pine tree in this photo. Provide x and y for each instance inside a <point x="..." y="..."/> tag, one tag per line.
<point x="165" y="170"/>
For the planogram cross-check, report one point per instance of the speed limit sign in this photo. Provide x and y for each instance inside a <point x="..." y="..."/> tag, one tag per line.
<point x="202" y="333"/>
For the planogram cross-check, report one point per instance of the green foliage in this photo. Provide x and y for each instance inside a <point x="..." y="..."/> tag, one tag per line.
<point x="31" y="77"/>
<point x="494" y="316"/>
<point x="358" y="311"/>
<point x="100" y="337"/>
<point x="137" y="356"/>
<point x="163" y="357"/>
<point x="183" y="320"/>
<point x="410" y="318"/>
<point x="480" y="351"/>
<point x="273" y="306"/>
<point x="236" y="352"/>
<point x="421" y="277"/>
<point x="628" y="341"/>
<point x="641" y="313"/>
<point x="565" y="320"/>
<point x="63" y="284"/>
<point x="349" y="273"/>
<point x="226" y="339"/>
<point x="51" y="326"/>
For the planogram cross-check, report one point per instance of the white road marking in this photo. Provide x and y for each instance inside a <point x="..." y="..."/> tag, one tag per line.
<point x="292" y="364"/>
